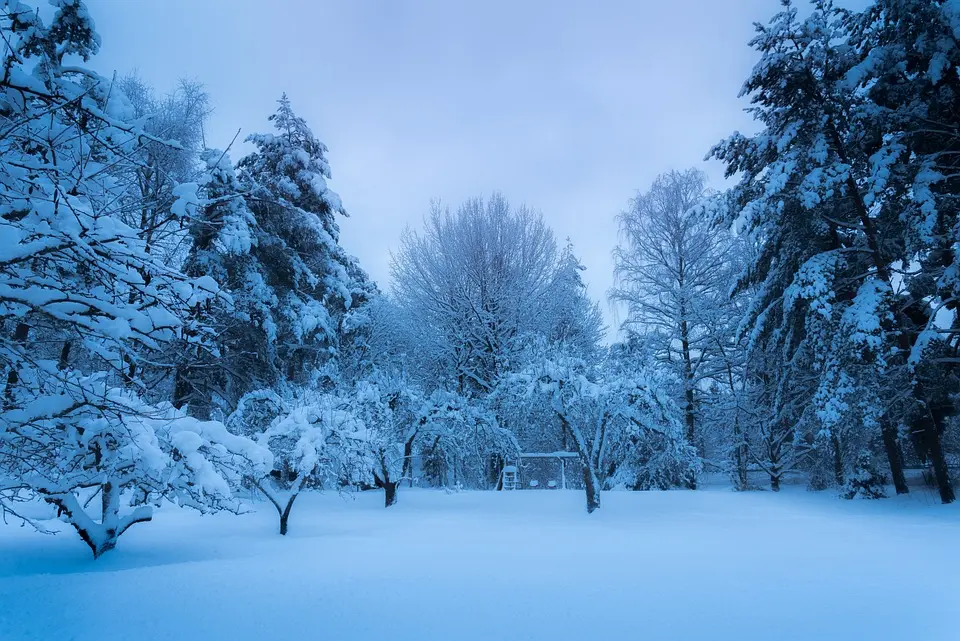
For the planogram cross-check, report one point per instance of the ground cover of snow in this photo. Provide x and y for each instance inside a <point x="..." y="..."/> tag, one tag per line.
<point x="710" y="564"/>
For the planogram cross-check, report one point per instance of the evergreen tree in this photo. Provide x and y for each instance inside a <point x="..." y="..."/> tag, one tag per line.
<point x="827" y="274"/>
<point x="304" y="288"/>
<point x="575" y="319"/>
<point x="224" y="235"/>
<point x="907" y="56"/>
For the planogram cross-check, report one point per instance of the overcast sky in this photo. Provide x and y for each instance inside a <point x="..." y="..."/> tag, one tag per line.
<point x="569" y="107"/>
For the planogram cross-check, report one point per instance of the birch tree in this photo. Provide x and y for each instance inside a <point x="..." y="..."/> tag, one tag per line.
<point x="672" y="275"/>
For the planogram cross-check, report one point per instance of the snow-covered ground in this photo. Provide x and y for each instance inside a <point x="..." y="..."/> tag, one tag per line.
<point x="510" y="565"/>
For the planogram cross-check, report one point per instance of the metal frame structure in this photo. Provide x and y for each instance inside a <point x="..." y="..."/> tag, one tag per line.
<point x="561" y="456"/>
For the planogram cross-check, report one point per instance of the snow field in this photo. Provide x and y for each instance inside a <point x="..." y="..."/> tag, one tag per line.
<point x="502" y="565"/>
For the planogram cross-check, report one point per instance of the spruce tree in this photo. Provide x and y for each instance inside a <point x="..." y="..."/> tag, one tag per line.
<point x="908" y="54"/>
<point x="824" y="270"/>
<point x="315" y="286"/>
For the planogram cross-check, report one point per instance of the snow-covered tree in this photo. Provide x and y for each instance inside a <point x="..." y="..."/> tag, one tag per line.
<point x="148" y="184"/>
<point x="672" y="275"/>
<point x="817" y="194"/>
<point x="460" y="440"/>
<point x="295" y="302"/>
<point x="574" y="319"/>
<point x="104" y="458"/>
<point x="907" y="53"/>
<point x="866" y="482"/>
<point x="389" y="406"/>
<point x="472" y="282"/>
<point x="224" y="235"/>
<point x="83" y="302"/>
<point x="151" y="180"/>
<point x="622" y="423"/>
<point x="316" y="441"/>
<point x="300" y="264"/>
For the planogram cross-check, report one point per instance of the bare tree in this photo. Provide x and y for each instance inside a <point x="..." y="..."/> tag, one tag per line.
<point x="672" y="274"/>
<point x="178" y="115"/>
<point x="474" y="281"/>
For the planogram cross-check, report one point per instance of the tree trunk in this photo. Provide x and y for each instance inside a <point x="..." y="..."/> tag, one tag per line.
<point x="837" y="459"/>
<point x="592" y="486"/>
<point x="98" y="547"/>
<point x="106" y="539"/>
<point x="741" y="481"/>
<point x="285" y="515"/>
<point x="894" y="456"/>
<point x="690" y="409"/>
<point x="774" y="482"/>
<point x="496" y="471"/>
<point x="19" y="335"/>
<point x="98" y="542"/>
<point x="941" y="473"/>
<point x="390" y="493"/>
<point x="774" y="452"/>
<point x="181" y="387"/>
<point x="64" y="360"/>
<point x="935" y="425"/>
<point x="99" y="537"/>
<point x="935" y="449"/>
<point x="408" y="461"/>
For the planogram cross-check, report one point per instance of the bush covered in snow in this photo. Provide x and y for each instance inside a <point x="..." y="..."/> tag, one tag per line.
<point x="866" y="481"/>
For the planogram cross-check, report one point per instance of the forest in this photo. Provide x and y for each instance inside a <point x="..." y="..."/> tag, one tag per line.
<point x="215" y="424"/>
<point x="181" y="326"/>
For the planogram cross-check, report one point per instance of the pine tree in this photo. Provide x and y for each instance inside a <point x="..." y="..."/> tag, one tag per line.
<point x="574" y="318"/>
<point x="804" y="196"/>
<point x="299" y="261"/>
<point x="224" y="235"/>
<point x="866" y="482"/>
<point x="907" y="56"/>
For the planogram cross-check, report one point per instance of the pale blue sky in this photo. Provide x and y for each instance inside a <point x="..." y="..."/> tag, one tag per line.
<point x="566" y="106"/>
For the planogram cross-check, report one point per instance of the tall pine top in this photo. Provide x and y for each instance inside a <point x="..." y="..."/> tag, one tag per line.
<point x="292" y="165"/>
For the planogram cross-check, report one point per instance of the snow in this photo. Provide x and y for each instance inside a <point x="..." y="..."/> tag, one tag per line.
<point x="951" y="12"/>
<point x="685" y="565"/>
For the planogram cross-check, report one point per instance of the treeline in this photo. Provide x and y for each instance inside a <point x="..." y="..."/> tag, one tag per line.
<point x="177" y="326"/>
<point x="823" y="337"/>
